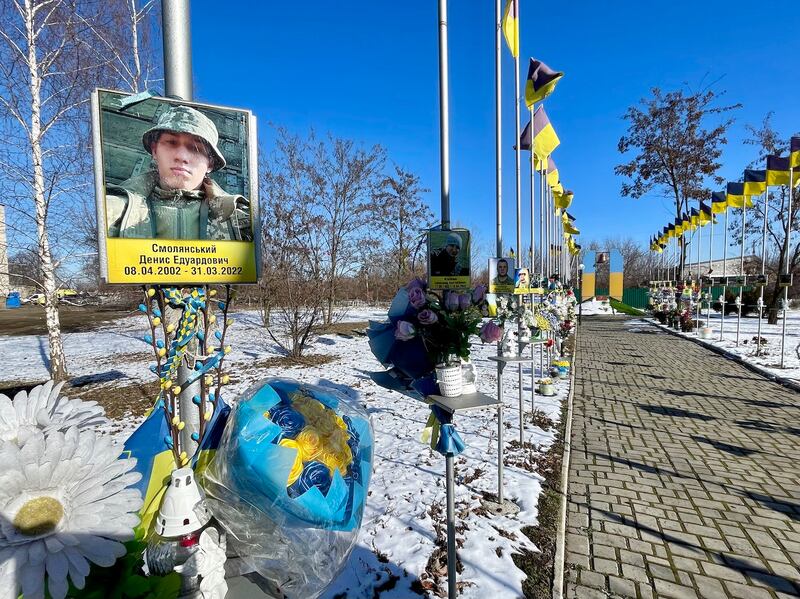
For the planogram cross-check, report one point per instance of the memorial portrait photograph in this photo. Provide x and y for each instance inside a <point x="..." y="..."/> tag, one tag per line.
<point x="501" y="275"/>
<point x="171" y="170"/>
<point x="449" y="259"/>
<point x="522" y="281"/>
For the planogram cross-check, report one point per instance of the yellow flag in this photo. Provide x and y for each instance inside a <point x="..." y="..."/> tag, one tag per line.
<point x="511" y="26"/>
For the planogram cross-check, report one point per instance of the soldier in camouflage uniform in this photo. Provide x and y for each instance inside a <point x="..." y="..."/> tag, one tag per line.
<point x="177" y="199"/>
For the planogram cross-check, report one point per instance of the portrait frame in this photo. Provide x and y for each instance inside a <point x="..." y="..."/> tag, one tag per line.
<point x="520" y="287"/>
<point x="445" y="270"/>
<point x="220" y="247"/>
<point x="494" y="285"/>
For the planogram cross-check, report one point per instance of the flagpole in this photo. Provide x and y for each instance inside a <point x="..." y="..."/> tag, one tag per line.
<point x="763" y="270"/>
<point x="741" y="272"/>
<point x="531" y="275"/>
<point x="786" y="245"/>
<point x="710" y="254"/>
<point x="498" y="42"/>
<point x="699" y="247"/>
<point x="542" y="187"/>
<point x="444" y="117"/>
<point x="724" y="276"/>
<point x="444" y="153"/>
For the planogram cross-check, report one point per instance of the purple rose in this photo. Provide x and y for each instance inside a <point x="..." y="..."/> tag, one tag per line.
<point x="415" y="283"/>
<point x="451" y="301"/>
<point x="464" y="300"/>
<point x="404" y="331"/>
<point x="416" y="297"/>
<point x="479" y="293"/>
<point x="427" y="316"/>
<point x="491" y="333"/>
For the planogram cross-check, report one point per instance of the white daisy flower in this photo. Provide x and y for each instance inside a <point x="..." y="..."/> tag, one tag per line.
<point x="64" y="502"/>
<point x="44" y="409"/>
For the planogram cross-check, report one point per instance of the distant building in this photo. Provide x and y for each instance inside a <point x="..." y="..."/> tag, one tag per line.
<point x="730" y="267"/>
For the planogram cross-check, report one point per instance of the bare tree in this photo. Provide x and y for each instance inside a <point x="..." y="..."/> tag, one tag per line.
<point x="51" y="55"/>
<point x="767" y="141"/>
<point x="677" y="151"/>
<point x="401" y="215"/>
<point x="346" y="182"/>
<point x="291" y="302"/>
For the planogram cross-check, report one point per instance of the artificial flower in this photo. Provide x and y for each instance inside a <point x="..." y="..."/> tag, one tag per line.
<point x="415" y="283"/>
<point x="310" y="442"/>
<point x="290" y="421"/>
<point x="491" y="333"/>
<point x="479" y="294"/>
<point x="427" y="317"/>
<point x="451" y="301"/>
<point x="416" y="297"/>
<point x="65" y="501"/>
<point x="315" y="474"/>
<point x="404" y="331"/>
<point x="297" y="467"/>
<point x="43" y="408"/>
<point x="464" y="301"/>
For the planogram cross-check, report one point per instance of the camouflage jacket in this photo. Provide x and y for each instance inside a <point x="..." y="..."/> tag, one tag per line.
<point x="136" y="208"/>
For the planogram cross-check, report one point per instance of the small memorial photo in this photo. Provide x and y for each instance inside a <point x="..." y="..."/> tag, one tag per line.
<point x="522" y="283"/>
<point x="501" y="275"/>
<point x="448" y="259"/>
<point x="176" y="190"/>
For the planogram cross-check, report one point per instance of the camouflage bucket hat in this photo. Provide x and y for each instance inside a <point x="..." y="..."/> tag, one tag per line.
<point x="183" y="119"/>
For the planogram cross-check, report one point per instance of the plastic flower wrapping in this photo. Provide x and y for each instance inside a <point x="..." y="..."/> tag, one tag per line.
<point x="289" y="482"/>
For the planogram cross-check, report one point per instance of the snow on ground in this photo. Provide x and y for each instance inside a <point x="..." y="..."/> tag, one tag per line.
<point x="770" y="355"/>
<point x="406" y="505"/>
<point x="594" y="306"/>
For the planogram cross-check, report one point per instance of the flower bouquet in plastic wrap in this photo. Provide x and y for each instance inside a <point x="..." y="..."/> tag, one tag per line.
<point x="289" y="482"/>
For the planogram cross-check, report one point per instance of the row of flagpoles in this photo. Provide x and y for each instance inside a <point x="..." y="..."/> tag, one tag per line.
<point x="556" y="226"/>
<point x="779" y="171"/>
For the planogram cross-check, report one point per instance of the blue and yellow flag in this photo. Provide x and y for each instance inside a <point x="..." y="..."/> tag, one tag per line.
<point x="755" y="182"/>
<point x="778" y="171"/>
<point x="541" y="82"/>
<point x="510" y="26"/>
<point x="563" y="200"/>
<point x="719" y="202"/>
<point x="705" y="214"/>
<point x="794" y="152"/>
<point x="545" y="139"/>
<point x="552" y="172"/>
<point x="736" y="196"/>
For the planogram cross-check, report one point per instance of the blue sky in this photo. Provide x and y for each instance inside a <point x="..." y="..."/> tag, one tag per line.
<point x="368" y="71"/>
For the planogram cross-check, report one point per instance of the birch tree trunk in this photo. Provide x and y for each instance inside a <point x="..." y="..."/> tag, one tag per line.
<point x="58" y="363"/>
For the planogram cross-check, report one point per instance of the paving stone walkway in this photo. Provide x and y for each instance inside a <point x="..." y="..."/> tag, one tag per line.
<point x="685" y="472"/>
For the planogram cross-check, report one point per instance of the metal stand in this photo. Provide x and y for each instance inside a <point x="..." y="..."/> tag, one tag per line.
<point x="472" y="401"/>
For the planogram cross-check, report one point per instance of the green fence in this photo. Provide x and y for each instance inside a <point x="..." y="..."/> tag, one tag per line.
<point x="636" y="297"/>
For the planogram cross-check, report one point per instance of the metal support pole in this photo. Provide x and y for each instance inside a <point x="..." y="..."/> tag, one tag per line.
<point x="533" y="269"/>
<point x="699" y="302"/>
<point x="177" y="41"/>
<point x="518" y="160"/>
<point x="763" y="270"/>
<point x="710" y="254"/>
<point x="741" y="272"/>
<point x="724" y="276"/>
<point x="177" y="44"/>
<point x="444" y="116"/>
<point x="498" y="34"/>
<point x="451" y="527"/>
<point x="500" y="433"/>
<point x="786" y="246"/>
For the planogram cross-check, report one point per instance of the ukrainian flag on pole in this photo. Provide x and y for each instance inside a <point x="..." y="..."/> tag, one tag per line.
<point x="511" y="26"/>
<point x="541" y="82"/>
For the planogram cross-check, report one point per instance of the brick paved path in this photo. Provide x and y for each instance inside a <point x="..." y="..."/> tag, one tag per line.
<point x="680" y="485"/>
